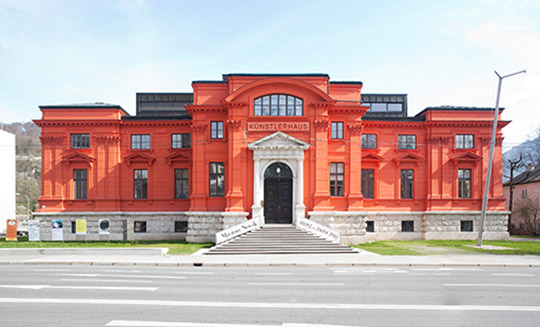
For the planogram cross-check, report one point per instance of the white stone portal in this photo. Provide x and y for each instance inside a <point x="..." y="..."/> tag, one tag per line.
<point x="278" y="147"/>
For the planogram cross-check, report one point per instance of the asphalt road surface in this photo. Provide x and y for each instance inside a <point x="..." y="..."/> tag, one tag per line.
<point x="56" y="295"/>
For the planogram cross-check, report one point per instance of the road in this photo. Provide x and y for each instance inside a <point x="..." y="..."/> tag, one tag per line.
<point x="58" y="295"/>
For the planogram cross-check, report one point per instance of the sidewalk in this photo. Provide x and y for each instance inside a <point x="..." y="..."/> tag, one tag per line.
<point x="363" y="258"/>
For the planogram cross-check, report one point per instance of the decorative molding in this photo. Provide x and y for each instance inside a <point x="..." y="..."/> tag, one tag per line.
<point x="487" y="141"/>
<point x="321" y="125"/>
<point x="179" y="156"/>
<point x="107" y="140"/>
<point x="139" y="157"/>
<point x="199" y="128"/>
<point x="234" y="104"/>
<point x="355" y="129"/>
<point x="235" y="124"/>
<point x="325" y="104"/>
<point x="439" y="140"/>
<point x="52" y="140"/>
<point x="203" y="108"/>
<point x="42" y="122"/>
<point x="77" y="157"/>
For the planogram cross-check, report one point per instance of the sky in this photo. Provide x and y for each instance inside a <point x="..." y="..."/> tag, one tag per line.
<point x="437" y="52"/>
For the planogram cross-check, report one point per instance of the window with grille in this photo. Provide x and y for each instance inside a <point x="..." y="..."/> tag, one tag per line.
<point x="217" y="179"/>
<point x="140" y="184"/>
<point x="181" y="183"/>
<point x="407" y="183"/>
<point x="406" y="142"/>
<point x="216" y="130"/>
<point x="80" y="141"/>
<point x="181" y="141"/>
<point x="367" y="183"/>
<point x="80" y="184"/>
<point x="337" y="130"/>
<point x="336" y="178"/>
<point x="369" y="141"/>
<point x="464" y="183"/>
<point x="140" y="141"/>
<point x="464" y="141"/>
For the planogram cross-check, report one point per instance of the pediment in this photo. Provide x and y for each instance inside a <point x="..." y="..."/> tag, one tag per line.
<point x="467" y="156"/>
<point x="182" y="156"/>
<point x="139" y="157"/>
<point x="372" y="157"/>
<point x="79" y="157"/>
<point x="409" y="157"/>
<point x="279" y="141"/>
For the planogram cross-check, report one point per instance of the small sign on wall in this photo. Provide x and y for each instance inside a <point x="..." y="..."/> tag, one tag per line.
<point x="57" y="230"/>
<point x="11" y="230"/>
<point x="33" y="230"/>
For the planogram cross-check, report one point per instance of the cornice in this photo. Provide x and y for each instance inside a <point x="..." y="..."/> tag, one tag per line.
<point x="205" y="108"/>
<point x="321" y="124"/>
<point x="355" y="128"/>
<point x="372" y="123"/>
<point x="47" y="122"/>
<point x="52" y="139"/>
<point x="157" y="123"/>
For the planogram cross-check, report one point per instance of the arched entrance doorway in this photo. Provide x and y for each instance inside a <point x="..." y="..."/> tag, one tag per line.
<point x="278" y="194"/>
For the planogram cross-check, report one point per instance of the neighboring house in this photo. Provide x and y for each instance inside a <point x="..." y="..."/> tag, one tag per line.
<point x="7" y="176"/>
<point x="275" y="148"/>
<point x="526" y="185"/>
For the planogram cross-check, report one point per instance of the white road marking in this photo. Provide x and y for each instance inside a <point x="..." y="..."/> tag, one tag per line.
<point x="340" y="271"/>
<point x="286" y="306"/>
<point x="513" y="274"/>
<point x="298" y="284"/>
<point x="40" y="287"/>
<point x="492" y="285"/>
<point x="108" y="280"/>
<point x="137" y="323"/>
<point x="51" y="270"/>
<point x="274" y="274"/>
<point x="461" y="269"/>
<point x="194" y="272"/>
<point x="125" y="276"/>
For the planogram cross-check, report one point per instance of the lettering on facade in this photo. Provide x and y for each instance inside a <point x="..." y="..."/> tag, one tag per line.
<point x="278" y="126"/>
<point x="237" y="230"/>
<point x="318" y="229"/>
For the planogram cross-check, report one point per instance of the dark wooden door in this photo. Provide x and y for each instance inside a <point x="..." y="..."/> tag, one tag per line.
<point x="278" y="201"/>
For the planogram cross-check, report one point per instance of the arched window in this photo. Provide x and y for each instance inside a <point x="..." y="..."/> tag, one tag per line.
<point x="278" y="105"/>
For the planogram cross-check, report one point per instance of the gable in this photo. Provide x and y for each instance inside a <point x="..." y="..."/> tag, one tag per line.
<point x="278" y="140"/>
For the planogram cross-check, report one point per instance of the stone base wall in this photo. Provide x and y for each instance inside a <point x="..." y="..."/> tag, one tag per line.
<point x="427" y="225"/>
<point x="159" y="225"/>
<point x="204" y="225"/>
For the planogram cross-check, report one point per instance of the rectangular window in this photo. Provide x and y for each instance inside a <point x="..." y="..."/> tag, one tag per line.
<point x="217" y="179"/>
<point x="464" y="141"/>
<point x="407" y="225"/>
<point x="336" y="178"/>
<point x="337" y="130"/>
<point x="406" y="142"/>
<point x="181" y="141"/>
<point x="140" y="184"/>
<point x="180" y="226"/>
<point x="466" y="225"/>
<point x="367" y="183"/>
<point x="407" y="183"/>
<point x="216" y="129"/>
<point x="140" y="141"/>
<point x="369" y="141"/>
<point x="370" y="226"/>
<point x="73" y="227"/>
<point x="464" y="183"/>
<point x="523" y="194"/>
<point x="139" y="226"/>
<point x="80" y="141"/>
<point x="181" y="183"/>
<point x="80" y="184"/>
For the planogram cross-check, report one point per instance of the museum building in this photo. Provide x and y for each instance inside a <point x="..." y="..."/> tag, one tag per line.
<point x="273" y="149"/>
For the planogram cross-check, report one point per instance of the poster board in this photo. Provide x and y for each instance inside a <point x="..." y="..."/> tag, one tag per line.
<point x="33" y="230"/>
<point x="57" y="229"/>
<point x="104" y="226"/>
<point x="80" y="226"/>
<point x="11" y="230"/>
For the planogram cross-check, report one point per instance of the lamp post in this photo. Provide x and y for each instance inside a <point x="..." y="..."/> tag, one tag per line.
<point x="27" y="205"/>
<point x="490" y="164"/>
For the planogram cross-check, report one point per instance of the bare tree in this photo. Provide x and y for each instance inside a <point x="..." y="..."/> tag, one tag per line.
<point x="513" y="165"/>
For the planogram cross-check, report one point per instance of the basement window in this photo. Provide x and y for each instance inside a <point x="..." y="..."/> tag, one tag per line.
<point x="370" y="226"/>
<point x="407" y="226"/>
<point x="180" y="226"/>
<point x="139" y="226"/>
<point x="466" y="225"/>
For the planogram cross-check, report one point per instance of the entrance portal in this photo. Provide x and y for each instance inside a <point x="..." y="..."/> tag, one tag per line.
<point x="278" y="194"/>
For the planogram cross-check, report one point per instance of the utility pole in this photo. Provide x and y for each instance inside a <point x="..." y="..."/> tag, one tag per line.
<point x="491" y="151"/>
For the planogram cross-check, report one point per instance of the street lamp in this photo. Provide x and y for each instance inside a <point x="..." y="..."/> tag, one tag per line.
<point x="27" y="205"/>
<point x="490" y="164"/>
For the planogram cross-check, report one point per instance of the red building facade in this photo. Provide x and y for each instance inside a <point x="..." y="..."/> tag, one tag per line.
<point x="274" y="149"/>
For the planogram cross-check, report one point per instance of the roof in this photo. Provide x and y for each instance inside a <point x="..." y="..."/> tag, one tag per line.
<point x="456" y="108"/>
<point x="526" y="177"/>
<point x="90" y="105"/>
<point x="226" y="76"/>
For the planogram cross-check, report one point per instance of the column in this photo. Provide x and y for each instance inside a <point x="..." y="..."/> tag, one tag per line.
<point x="256" y="208"/>
<point x="300" y="208"/>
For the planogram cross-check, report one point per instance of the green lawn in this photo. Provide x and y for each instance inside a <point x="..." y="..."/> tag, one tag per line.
<point x="175" y="247"/>
<point x="449" y="247"/>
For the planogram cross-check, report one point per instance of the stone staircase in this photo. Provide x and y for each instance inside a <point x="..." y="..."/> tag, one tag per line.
<point x="279" y="239"/>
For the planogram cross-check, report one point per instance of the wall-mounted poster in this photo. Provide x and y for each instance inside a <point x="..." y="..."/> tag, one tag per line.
<point x="11" y="230"/>
<point x="33" y="230"/>
<point x="104" y="227"/>
<point x="80" y="227"/>
<point x="57" y="228"/>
